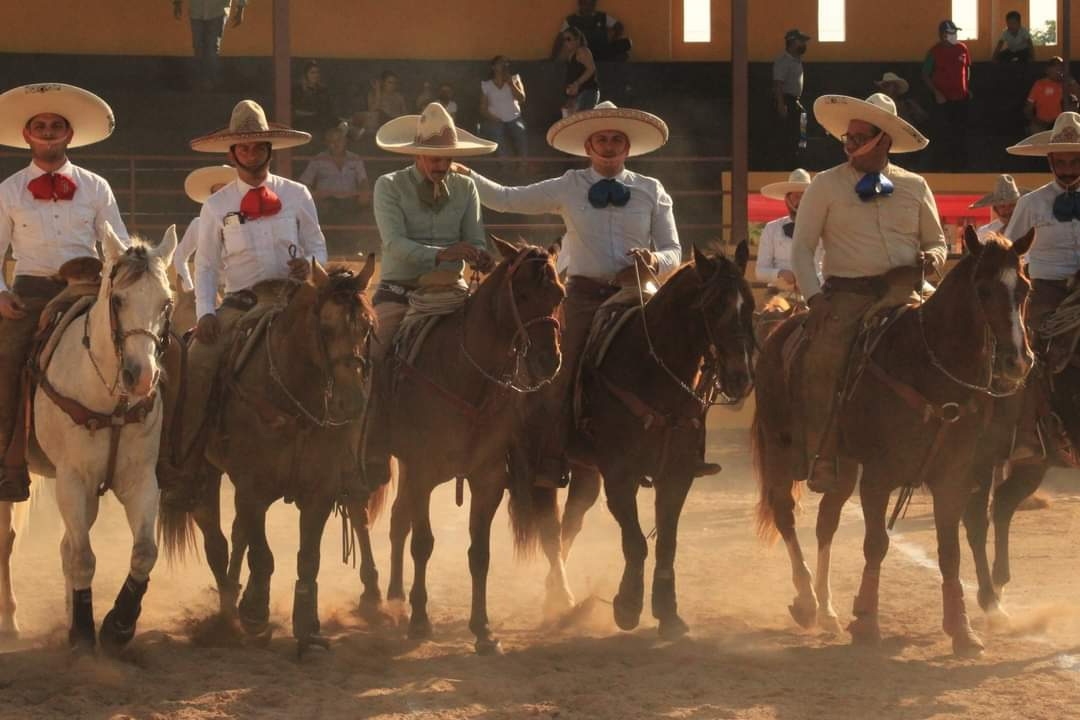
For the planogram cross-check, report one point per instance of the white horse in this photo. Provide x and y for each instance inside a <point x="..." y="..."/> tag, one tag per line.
<point x="97" y="419"/>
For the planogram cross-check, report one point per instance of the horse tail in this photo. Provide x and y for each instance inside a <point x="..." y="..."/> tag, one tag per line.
<point x="524" y="501"/>
<point x="378" y="497"/>
<point x="766" y="522"/>
<point x="175" y="531"/>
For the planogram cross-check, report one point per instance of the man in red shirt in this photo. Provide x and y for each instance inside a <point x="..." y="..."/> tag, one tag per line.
<point x="947" y="72"/>
<point x="1044" y="100"/>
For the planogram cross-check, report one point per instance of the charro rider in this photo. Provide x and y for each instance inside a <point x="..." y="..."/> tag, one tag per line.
<point x="871" y="216"/>
<point x="51" y="212"/>
<point x="1003" y="201"/>
<point x="774" y="247"/>
<point x="612" y="216"/>
<point x="1054" y="211"/>
<point x="429" y="220"/>
<point x="258" y="228"/>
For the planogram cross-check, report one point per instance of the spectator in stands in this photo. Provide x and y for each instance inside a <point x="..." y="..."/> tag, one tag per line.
<point x="501" y="96"/>
<point x="582" y="85"/>
<point x="787" y="90"/>
<point x="774" y="248"/>
<point x="907" y="107"/>
<point x="1044" y="100"/>
<point x="446" y="99"/>
<point x="1003" y="201"/>
<point x="207" y="27"/>
<point x="338" y="180"/>
<point x="427" y="95"/>
<point x="947" y="73"/>
<point x="313" y="107"/>
<point x="385" y="98"/>
<point x="1015" y="42"/>
<point x="605" y="36"/>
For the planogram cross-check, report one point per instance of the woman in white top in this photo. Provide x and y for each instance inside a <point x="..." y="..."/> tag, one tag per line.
<point x="502" y="95"/>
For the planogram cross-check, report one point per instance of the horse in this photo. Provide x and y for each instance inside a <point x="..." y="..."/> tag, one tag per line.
<point x="288" y="427"/>
<point x="644" y="408"/>
<point x="456" y="411"/>
<point x="912" y="416"/>
<point x="96" y="424"/>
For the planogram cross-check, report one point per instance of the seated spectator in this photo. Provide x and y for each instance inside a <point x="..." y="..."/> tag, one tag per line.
<point x="605" y="35"/>
<point x="313" y="107"/>
<point x="427" y="95"/>
<point x="1015" y="42"/>
<point x="501" y="96"/>
<point x="338" y="180"/>
<point x="385" y="98"/>
<point x="907" y="107"/>
<point x="582" y="86"/>
<point x="1044" y="101"/>
<point x="446" y="99"/>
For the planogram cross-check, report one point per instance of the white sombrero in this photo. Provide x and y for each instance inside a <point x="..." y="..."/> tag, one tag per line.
<point x="248" y="124"/>
<point x="1064" y="137"/>
<point x="432" y="132"/>
<point x="834" y="112"/>
<point x="90" y="116"/>
<point x="797" y="181"/>
<point x="893" y="78"/>
<point x="199" y="182"/>
<point x="646" y="131"/>
<point x="1005" y="193"/>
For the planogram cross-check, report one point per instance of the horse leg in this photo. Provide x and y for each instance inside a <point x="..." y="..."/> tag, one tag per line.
<point x="254" y="607"/>
<point x="949" y="504"/>
<point x="78" y="504"/>
<point x="305" y="619"/>
<point x="976" y="525"/>
<point x="557" y="596"/>
<point x="670" y="497"/>
<point x="400" y="526"/>
<point x="239" y="541"/>
<point x="1023" y="481"/>
<point x="828" y="519"/>
<point x="581" y="495"/>
<point x="622" y="501"/>
<point x="778" y="502"/>
<point x="9" y="629"/>
<point x="371" y="598"/>
<point x="207" y="515"/>
<point x="865" y="629"/>
<point x="423" y="542"/>
<point x="486" y="490"/>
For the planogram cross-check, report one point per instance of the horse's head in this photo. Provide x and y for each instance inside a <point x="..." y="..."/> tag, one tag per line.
<point x="136" y="292"/>
<point x="528" y="279"/>
<point x="727" y="305"/>
<point x="344" y="322"/>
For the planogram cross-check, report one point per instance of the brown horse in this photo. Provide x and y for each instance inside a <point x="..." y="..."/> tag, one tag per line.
<point x="927" y="385"/>
<point x="455" y="413"/>
<point x="645" y="408"/>
<point x="289" y="427"/>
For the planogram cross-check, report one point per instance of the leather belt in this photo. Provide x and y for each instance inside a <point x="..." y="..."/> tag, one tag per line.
<point x="33" y="286"/>
<point x="874" y="285"/>
<point x="587" y="288"/>
<point x="391" y="292"/>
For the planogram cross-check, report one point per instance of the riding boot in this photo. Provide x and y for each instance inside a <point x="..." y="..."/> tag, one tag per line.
<point x="82" y="633"/>
<point x="824" y="473"/>
<point x="118" y="627"/>
<point x="14" y="484"/>
<point x="1030" y="444"/>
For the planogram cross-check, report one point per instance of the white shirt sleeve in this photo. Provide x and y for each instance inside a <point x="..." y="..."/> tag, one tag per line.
<point x="110" y="212"/>
<point x="665" y="236"/>
<point x="536" y="199"/>
<point x="184" y="251"/>
<point x="766" y="268"/>
<point x="207" y="263"/>
<point x="813" y="210"/>
<point x="312" y="240"/>
<point x="6" y="228"/>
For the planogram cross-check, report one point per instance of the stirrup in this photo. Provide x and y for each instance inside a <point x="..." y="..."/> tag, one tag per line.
<point x="823" y="484"/>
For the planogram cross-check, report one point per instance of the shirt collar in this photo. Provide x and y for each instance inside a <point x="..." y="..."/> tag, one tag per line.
<point x="594" y="177"/>
<point x="35" y="172"/>
<point x="426" y="190"/>
<point x="244" y="187"/>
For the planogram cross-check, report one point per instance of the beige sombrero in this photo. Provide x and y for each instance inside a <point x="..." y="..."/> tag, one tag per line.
<point x="90" y="116"/>
<point x="248" y="124"/>
<point x="893" y="78"/>
<point x="797" y="181"/>
<point x="1005" y="193"/>
<point x="199" y="182"/>
<point x="1063" y="137"/>
<point x="646" y="131"/>
<point x="834" y="112"/>
<point x="432" y="132"/>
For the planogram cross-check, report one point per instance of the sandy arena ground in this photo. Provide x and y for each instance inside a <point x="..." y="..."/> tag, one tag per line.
<point x="745" y="658"/>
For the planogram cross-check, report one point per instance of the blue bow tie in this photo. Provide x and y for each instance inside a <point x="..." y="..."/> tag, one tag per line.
<point x="789" y="228"/>
<point x="873" y="184"/>
<point x="608" y="192"/>
<point x="1067" y="206"/>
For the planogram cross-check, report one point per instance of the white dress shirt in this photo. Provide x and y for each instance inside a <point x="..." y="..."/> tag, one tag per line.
<point x="994" y="226"/>
<point x="184" y="250"/>
<point x="254" y="250"/>
<point x="774" y="251"/>
<point x="1055" y="254"/>
<point x="45" y="234"/>
<point x="596" y="239"/>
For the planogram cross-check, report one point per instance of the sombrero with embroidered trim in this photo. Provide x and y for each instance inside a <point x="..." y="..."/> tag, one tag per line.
<point x="432" y="132"/>
<point x="834" y="112"/>
<point x="1005" y="193"/>
<point x="199" y="182"/>
<point x="248" y="124"/>
<point x="1064" y="137"/>
<point x="89" y="116"/>
<point x="646" y="131"/>
<point x="797" y="181"/>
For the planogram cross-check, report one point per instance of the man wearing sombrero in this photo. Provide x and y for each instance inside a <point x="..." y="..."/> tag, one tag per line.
<point x="51" y="212"/>
<point x="774" y="247"/>
<point x="429" y="220"/>
<point x="871" y="216"/>
<point x="1003" y="202"/>
<point x="199" y="185"/>
<point x="259" y="227"/>
<point x="612" y="215"/>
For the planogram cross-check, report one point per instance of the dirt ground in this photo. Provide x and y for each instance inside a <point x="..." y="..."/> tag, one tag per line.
<point x="745" y="658"/>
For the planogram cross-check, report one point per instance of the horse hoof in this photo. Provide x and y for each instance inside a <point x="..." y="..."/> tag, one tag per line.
<point x="967" y="645"/>
<point x="113" y="634"/>
<point x="557" y="603"/>
<point x="803" y="613"/>
<point x="310" y="641"/>
<point x="420" y="629"/>
<point x="673" y="628"/>
<point x="254" y="626"/>
<point x="627" y="615"/>
<point x="865" y="631"/>
<point x="828" y="622"/>
<point x="998" y="619"/>
<point x="488" y="646"/>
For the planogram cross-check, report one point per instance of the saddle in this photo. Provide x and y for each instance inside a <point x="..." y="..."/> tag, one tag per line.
<point x="427" y="305"/>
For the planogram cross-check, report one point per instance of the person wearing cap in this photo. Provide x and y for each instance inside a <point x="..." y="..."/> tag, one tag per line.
<point x="787" y="74"/>
<point x="199" y="185"/>
<point x="946" y="71"/>
<point x="430" y="224"/>
<point x="52" y="214"/>
<point x="907" y="107"/>
<point x="1003" y="202"/>
<point x="1044" y="100"/>
<point x="773" y="264"/>
<point x="870" y="216"/>
<point x="259" y="227"/>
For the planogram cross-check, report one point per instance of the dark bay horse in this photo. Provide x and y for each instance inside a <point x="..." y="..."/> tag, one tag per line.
<point x="289" y="428"/>
<point x="913" y="416"/>
<point x="645" y="406"/>
<point x="456" y="411"/>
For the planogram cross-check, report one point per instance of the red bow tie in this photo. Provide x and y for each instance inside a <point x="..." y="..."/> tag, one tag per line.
<point x="260" y="202"/>
<point x="52" y="186"/>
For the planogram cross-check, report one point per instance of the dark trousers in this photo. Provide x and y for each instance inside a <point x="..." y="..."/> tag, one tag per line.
<point x="787" y="144"/>
<point x="206" y="42"/>
<point x="952" y="125"/>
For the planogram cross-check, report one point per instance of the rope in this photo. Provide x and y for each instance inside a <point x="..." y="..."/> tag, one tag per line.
<point x="1065" y="319"/>
<point x="441" y="300"/>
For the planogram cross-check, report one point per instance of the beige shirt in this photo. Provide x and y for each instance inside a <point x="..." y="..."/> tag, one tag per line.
<point x="862" y="238"/>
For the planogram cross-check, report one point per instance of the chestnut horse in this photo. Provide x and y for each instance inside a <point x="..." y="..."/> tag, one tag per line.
<point x="913" y="416"/>
<point x="455" y="412"/>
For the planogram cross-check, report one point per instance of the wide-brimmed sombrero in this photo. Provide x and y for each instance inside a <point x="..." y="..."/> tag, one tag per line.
<point x="891" y="78"/>
<point x="89" y="116"/>
<point x="1005" y="193"/>
<point x="834" y="112"/>
<point x="646" y="131"/>
<point x="797" y="181"/>
<point x="1062" y="138"/>
<point x="199" y="182"/>
<point x="248" y="124"/>
<point x="432" y="132"/>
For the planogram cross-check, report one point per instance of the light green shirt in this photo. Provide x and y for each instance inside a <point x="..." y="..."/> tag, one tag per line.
<point x="413" y="231"/>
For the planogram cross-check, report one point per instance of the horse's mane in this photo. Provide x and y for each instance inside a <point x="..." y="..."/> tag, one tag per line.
<point x="133" y="263"/>
<point x="341" y="289"/>
<point x="723" y="276"/>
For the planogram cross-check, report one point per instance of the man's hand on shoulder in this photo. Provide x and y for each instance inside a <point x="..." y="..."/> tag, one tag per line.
<point x="460" y="169"/>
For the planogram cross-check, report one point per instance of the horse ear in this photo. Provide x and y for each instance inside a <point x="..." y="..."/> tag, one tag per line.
<point x="366" y="273"/>
<point x="165" y="249"/>
<point x="111" y="243"/>
<point x="508" y="251"/>
<point x="742" y="256"/>
<point x="705" y="266"/>
<point x="971" y="240"/>
<point x="318" y="274"/>
<point x="1023" y="244"/>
